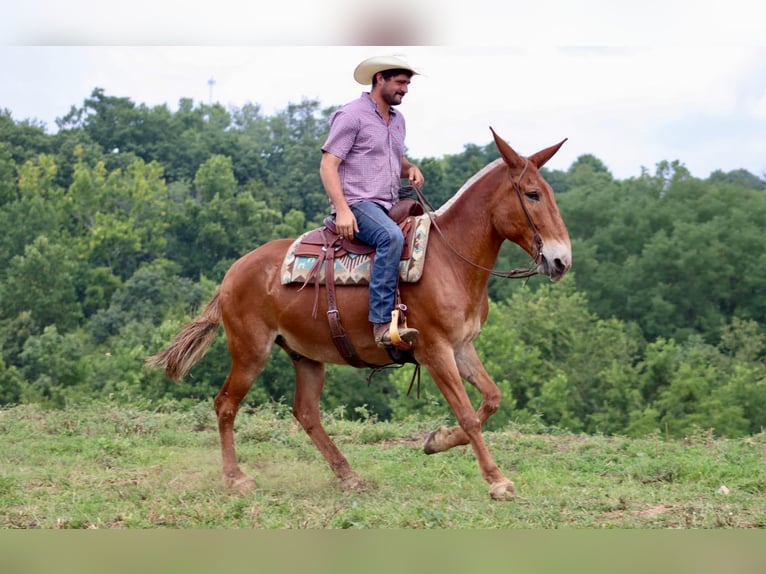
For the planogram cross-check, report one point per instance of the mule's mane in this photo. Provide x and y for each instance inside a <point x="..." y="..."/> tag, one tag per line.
<point x="474" y="178"/>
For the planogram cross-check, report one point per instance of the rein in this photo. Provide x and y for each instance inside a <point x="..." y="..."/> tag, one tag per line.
<point x="512" y="273"/>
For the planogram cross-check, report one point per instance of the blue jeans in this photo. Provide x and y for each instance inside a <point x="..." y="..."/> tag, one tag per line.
<point x="377" y="229"/>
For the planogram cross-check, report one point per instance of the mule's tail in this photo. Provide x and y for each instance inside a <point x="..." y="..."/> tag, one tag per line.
<point x="191" y="344"/>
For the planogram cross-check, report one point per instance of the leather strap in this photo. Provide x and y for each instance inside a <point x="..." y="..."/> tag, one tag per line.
<point x="511" y="274"/>
<point x="338" y="332"/>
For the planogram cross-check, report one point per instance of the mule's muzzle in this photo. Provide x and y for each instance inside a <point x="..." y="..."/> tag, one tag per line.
<point x="555" y="263"/>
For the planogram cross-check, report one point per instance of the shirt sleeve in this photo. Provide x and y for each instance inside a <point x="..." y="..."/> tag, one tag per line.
<point x="343" y="130"/>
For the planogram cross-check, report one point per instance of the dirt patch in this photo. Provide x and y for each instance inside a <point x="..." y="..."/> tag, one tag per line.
<point x="654" y="510"/>
<point x="649" y="512"/>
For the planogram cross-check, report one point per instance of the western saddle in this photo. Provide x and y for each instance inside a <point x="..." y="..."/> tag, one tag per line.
<point x="325" y="245"/>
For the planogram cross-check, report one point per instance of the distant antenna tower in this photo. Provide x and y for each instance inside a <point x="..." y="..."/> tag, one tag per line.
<point x="211" y="83"/>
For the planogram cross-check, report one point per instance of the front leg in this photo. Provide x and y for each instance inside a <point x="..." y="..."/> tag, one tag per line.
<point x="471" y="370"/>
<point x="445" y="371"/>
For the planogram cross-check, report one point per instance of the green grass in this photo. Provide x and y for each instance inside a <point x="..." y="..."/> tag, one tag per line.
<point x="106" y="467"/>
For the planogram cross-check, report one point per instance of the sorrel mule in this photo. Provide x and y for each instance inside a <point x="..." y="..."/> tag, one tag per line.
<point x="508" y="199"/>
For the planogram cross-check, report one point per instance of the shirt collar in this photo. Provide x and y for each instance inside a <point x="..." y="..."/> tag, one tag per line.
<point x="366" y="95"/>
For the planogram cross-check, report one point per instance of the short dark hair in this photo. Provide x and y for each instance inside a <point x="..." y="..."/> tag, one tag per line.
<point x="388" y="74"/>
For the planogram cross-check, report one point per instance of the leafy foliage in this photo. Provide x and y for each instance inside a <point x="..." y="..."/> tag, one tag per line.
<point x="118" y="227"/>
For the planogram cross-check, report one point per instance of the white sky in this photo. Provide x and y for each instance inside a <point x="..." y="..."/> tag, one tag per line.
<point x="632" y="84"/>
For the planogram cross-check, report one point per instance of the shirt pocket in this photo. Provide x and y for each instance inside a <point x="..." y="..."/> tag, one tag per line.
<point x="373" y="140"/>
<point x="396" y="133"/>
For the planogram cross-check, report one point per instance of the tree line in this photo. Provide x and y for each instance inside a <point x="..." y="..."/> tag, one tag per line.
<point x="119" y="226"/>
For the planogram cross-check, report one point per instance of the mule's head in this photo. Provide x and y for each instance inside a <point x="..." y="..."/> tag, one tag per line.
<point x="528" y="214"/>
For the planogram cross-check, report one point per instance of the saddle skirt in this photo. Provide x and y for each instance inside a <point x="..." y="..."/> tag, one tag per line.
<point x="305" y="260"/>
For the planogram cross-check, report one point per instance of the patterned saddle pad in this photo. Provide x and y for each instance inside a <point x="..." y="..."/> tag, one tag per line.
<point x="353" y="263"/>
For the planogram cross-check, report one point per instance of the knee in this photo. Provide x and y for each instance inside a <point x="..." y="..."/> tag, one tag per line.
<point x="224" y="409"/>
<point x="470" y="423"/>
<point x="492" y="401"/>
<point x="395" y="239"/>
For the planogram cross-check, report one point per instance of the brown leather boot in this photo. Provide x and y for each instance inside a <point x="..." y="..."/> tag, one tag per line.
<point x="382" y="333"/>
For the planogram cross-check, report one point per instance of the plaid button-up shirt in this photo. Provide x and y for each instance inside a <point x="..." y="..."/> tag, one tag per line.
<point x="371" y="151"/>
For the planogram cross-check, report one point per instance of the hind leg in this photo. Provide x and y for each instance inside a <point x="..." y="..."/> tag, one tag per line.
<point x="246" y="365"/>
<point x="309" y="382"/>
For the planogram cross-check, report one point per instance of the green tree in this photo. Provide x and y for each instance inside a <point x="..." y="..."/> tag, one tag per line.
<point x="292" y="159"/>
<point x="662" y="250"/>
<point x="22" y="222"/>
<point x="41" y="282"/>
<point x="10" y="384"/>
<point x="215" y="177"/>
<point x="188" y="147"/>
<point x="206" y="238"/>
<point x="129" y="226"/>
<point x="25" y="139"/>
<point x="150" y="294"/>
<point x="739" y="177"/>
<point x="109" y="121"/>
<point x="8" y="189"/>
<point x="51" y="364"/>
<point x="554" y="358"/>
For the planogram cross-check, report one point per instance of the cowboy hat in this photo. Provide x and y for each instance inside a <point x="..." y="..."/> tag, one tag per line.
<point x="366" y="70"/>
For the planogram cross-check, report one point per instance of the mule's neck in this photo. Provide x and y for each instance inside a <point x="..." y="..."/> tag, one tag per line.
<point x="466" y="218"/>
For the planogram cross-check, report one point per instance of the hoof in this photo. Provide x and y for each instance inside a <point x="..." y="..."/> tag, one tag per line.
<point x="504" y="491"/>
<point x="431" y="445"/>
<point x="241" y="484"/>
<point x="354" y="483"/>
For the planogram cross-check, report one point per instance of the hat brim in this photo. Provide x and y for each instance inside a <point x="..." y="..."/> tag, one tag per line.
<point x="365" y="71"/>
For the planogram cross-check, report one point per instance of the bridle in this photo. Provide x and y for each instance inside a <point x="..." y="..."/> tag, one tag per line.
<point x="512" y="273"/>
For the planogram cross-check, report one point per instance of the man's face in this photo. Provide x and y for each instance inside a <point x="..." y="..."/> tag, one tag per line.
<point x="393" y="89"/>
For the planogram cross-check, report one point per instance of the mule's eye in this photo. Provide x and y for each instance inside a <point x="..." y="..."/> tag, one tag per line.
<point x="533" y="195"/>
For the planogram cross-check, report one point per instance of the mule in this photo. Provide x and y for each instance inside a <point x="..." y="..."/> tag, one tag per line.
<point x="507" y="200"/>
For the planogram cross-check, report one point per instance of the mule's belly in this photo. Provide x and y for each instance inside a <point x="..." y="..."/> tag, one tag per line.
<point x="311" y="337"/>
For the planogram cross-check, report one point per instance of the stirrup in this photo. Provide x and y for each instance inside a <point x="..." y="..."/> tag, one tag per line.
<point x="393" y="330"/>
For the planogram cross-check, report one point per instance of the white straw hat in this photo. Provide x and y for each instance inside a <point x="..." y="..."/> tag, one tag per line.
<point x="366" y="70"/>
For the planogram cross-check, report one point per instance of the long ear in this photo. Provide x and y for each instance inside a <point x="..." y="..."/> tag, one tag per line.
<point x="541" y="157"/>
<point x="514" y="160"/>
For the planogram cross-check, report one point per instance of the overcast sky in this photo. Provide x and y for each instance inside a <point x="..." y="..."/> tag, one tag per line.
<point x="670" y="80"/>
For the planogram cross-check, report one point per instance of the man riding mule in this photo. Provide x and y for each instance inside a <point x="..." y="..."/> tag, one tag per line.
<point x="361" y="169"/>
<point x="507" y="200"/>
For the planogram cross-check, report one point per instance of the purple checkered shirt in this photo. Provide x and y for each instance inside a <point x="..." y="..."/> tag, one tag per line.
<point x="371" y="151"/>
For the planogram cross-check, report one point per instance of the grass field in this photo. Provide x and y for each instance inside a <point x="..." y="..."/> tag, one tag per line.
<point x="110" y="467"/>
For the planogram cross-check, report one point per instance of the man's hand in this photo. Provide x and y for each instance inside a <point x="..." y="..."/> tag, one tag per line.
<point x="413" y="175"/>
<point x="345" y="223"/>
